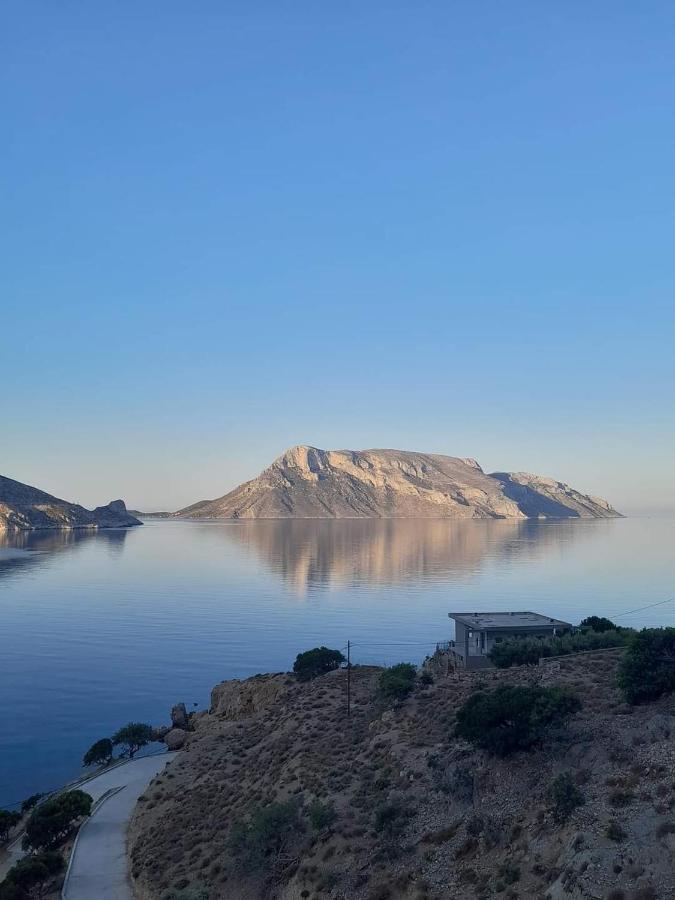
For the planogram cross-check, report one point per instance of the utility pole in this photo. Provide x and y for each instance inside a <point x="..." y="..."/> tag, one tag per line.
<point x="349" y="679"/>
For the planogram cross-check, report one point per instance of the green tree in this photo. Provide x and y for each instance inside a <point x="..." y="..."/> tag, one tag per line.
<point x="133" y="736"/>
<point x="52" y="821"/>
<point x="29" y="877"/>
<point x="565" y="796"/>
<point x="30" y="802"/>
<point x="598" y="623"/>
<point x="396" y="682"/>
<point x="7" y="821"/>
<point x="260" y="843"/>
<point x="316" y="662"/>
<point x="513" y="718"/>
<point x="648" y="667"/>
<point x="99" y="754"/>
<point x="527" y="651"/>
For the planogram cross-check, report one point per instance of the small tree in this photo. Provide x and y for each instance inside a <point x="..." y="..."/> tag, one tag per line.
<point x="53" y="820"/>
<point x="396" y="682"/>
<point x="30" y="802"/>
<point x="321" y="815"/>
<point x="7" y="821"/>
<point x="513" y="718"/>
<point x="30" y="875"/>
<point x="133" y="736"/>
<point x="99" y="754"/>
<point x="598" y="623"/>
<point x="648" y="667"/>
<point x="565" y="796"/>
<point x="315" y="662"/>
<point x="263" y="841"/>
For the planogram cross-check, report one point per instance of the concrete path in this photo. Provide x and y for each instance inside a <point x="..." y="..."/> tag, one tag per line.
<point x="98" y="866"/>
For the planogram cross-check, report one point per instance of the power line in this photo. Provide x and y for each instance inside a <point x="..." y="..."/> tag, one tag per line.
<point x="640" y="608"/>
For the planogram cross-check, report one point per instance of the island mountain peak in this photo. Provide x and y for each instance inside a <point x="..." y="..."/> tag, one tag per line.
<point x="311" y="483"/>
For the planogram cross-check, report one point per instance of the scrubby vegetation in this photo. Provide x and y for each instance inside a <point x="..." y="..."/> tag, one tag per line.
<point x="318" y="661"/>
<point x="527" y="651"/>
<point x="52" y="821"/>
<point x="513" y="718"/>
<point x="598" y="623"/>
<point x="397" y="681"/>
<point x="565" y="796"/>
<point x="321" y="815"/>
<point x="648" y="667"/>
<point x="30" y="876"/>
<point x="30" y="802"/>
<point x="8" y="820"/>
<point x="262" y="843"/>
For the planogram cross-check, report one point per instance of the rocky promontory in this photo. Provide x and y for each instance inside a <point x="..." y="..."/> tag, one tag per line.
<point x="27" y="508"/>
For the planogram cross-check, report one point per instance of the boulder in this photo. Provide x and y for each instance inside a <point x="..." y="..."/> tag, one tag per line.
<point x="159" y="732"/>
<point x="175" y="738"/>
<point x="179" y="716"/>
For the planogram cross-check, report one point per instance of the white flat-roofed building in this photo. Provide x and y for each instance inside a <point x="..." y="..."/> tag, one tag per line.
<point x="476" y="633"/>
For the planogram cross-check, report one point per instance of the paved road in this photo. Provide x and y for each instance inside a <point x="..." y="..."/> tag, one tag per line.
<point x="98" y="867"/>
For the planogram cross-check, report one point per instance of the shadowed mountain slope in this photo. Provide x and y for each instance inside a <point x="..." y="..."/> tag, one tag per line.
<point x="26" y="508"/>
<point x="309" y="483"/>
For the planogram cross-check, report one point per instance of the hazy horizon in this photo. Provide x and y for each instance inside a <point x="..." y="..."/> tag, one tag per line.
<point x="234" y="229"/>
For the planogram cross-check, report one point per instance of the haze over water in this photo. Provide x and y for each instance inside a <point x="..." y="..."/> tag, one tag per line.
<point x="103" y="628"/>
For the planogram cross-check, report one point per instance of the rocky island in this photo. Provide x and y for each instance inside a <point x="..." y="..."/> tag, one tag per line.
<point x="26" y="508"/>
<point x="306" y="482"/>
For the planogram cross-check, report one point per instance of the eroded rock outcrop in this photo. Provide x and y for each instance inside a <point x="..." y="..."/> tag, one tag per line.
<point x="306" y="482"/>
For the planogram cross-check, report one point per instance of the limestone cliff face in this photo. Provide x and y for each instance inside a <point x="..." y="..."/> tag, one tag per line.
<point x="309" y="483"/>
<point x="26" y="508"/>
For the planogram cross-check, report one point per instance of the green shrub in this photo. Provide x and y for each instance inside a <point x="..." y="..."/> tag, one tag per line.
<point x="258" y="843"/>
<point x="565" y="796"/>
<point x="99" y="754"/>
<point x="513" y="718"/>
<point x="598" y="623"/>
<point x="189" y="893"/>
<point x="316" y="662"/>
<point x="615" y="832"/>
<point x="397" y="682"/>
<point x="648" y="668"/>
<point x="391" y="819"/>
<point x="527" y="651"/>
<point x="133" y="736"/>
<point x="29" y="876"/>
<point x="7" y="821"/>
<point x="53" y="820"/>
<point x="321" y="815"/>
<point x="30" y="802"/>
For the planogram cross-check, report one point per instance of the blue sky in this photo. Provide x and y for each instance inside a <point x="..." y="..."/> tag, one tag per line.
<point x="231" y="227"/>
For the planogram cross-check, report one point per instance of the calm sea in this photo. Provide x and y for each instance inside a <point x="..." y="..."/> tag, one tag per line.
<point x="100" y="629"/>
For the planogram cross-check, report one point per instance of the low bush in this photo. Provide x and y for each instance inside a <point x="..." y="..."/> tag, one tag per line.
<point x="397" y="682"/>
<point x="391" y="819"/>
<point x="513" y="718"/>
<point x="615" y="832"/>
<point x="190" y="893"/>
<point x="30" y="802"/>
<point x="7" y="821"/>
<point x="52" y="821"/>
<point x="565" y="796"/>
<point x="648" y="668"/>
<point x="258" y="843"/>
<point x="316" y="662"/>
<point x="30" y="876"/>
<point x="527" y="651"/>
<point x="321" y="815"/>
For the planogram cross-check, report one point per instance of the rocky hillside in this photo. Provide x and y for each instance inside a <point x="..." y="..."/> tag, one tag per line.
<point x="25" y="508"/>
<point x="391" y="806"/>
<point x="310" y="483"/>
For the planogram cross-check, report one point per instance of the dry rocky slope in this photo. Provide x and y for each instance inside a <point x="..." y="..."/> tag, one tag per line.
<point x="468" y="824"/>
<point x="26" y="508"/>
<point x="306" y="482"/>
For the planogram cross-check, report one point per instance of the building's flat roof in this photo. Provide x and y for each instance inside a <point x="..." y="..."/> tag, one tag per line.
<point x="482" y="620"/>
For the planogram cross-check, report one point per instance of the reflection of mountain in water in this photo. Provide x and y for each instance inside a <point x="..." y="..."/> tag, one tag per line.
<point x="49" y="541"/>
<point x="386" y="551"/>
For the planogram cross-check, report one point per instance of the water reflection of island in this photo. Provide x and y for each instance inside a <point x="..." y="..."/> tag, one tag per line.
<point x="27" y="548"/>
<point x="385" y="551"/>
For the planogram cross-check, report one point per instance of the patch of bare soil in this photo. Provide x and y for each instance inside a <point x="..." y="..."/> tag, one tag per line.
<point x="420" y="814"/>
